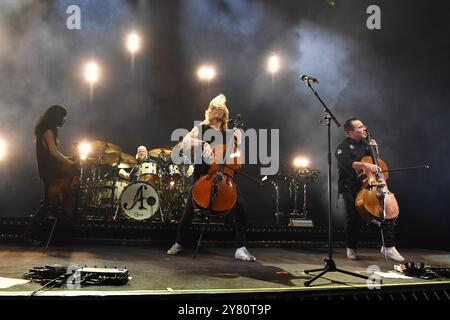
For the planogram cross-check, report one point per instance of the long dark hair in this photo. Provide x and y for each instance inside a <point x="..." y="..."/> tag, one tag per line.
<point x="50" y="120"/>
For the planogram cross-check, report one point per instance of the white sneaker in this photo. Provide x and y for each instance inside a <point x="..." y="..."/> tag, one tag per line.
<point x="392" y="253"/>
<point x="351" y="254"/>
<point x="175" y="249"/>
<point x="243" y="254"/>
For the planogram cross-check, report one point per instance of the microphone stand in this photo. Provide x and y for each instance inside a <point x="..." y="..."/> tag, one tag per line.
<point x="330" y="265"/>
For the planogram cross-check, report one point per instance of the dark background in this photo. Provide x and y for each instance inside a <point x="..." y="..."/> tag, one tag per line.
<point x="395" y="79"/>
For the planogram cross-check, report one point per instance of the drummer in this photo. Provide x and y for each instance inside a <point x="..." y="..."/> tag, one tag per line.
<point x="141" y="157"/>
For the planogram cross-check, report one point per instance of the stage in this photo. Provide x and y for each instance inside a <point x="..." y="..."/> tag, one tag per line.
<point x="278" y="123"/>
<point x="278" y="273"/>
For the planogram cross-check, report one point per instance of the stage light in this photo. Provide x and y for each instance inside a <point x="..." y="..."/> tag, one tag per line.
<point x="206" y="73"/>
<point x="84" y="148"/>
<point x="91" y="72"/>
<point x="3" y="149"/>
<point x="273" y="63"/>
<point x="133" y="42"/>
<point x="300" y="162"/>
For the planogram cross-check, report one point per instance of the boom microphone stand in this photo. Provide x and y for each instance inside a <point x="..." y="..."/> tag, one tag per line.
<point x="330" y="265"/>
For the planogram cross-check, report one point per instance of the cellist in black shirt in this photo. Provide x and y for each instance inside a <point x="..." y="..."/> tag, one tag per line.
<point x="216" y="120"/>
<point x="348" y="154"/>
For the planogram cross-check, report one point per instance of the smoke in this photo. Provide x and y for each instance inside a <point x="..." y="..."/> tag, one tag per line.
<point x="370" y="74"/>
<point x="40" y="65"/>
<point x="239" y="36"/>
<point x="26" y="53"/>
<point x="360" y="73"/>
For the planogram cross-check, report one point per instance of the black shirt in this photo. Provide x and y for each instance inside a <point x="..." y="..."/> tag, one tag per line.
<point x="202" y="168"/>
<point x="346" y="153"/>
<point x="49" y="168"/>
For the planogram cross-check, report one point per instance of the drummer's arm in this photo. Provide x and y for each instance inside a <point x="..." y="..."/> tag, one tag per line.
<point x="124" y="175"/>
<point x="49" y="140"/>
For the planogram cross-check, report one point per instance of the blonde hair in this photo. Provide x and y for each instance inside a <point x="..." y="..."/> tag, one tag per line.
<point x="137" y="151"/>
<point x="218" y="103"/>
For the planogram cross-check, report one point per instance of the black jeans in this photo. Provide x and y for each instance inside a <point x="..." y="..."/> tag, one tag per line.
<point x="240" y="221"/>
<point x="353" y="221"/>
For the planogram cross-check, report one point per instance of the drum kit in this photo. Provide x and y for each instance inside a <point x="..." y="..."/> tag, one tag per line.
<point x="158" y="189"/>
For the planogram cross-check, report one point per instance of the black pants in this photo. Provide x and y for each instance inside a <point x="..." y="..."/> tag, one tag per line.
<point x="353" y="221"/>
<point x="240" y="221"/>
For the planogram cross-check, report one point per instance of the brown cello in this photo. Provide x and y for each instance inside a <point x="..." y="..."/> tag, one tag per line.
<point x="216" y="191"/>
<point x="374" y="200"/>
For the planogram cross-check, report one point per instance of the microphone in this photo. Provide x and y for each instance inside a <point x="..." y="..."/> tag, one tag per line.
<point x="308" y="79"/>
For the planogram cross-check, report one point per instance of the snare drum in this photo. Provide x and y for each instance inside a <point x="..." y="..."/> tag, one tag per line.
<point x="139" y="200"/>
<point x="149" y="172"/>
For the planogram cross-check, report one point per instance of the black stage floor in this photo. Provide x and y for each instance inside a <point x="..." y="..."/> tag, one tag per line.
<point x="213" y="273"/>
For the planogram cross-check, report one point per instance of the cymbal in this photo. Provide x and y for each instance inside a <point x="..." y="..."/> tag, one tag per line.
<point x="126" y="159"/>
<point x="110" y="158"/>
<point x="302" y="174"/>
<point x="123" y="160"/>
<point x="104" y="146"/>
<point x="160" y="152"/>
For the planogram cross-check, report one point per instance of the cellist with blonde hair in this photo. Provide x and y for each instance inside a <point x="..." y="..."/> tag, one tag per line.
<point x="215" y="125"/>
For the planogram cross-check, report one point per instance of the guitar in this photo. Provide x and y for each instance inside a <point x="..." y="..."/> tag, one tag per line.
<point x="64" y="192"/>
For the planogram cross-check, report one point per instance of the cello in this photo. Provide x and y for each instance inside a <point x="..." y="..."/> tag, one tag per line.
<point x="374" y="200"/>
<point x="216" y="191"/>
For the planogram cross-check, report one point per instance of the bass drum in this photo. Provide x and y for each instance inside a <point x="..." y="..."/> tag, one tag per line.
<point x="139" y="201"/>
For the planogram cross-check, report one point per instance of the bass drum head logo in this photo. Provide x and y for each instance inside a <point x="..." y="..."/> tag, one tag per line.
<point x="139" y="201"/>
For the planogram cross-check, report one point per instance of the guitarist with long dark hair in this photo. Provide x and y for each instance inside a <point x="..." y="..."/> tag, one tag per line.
<point x="57" y="172"/>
